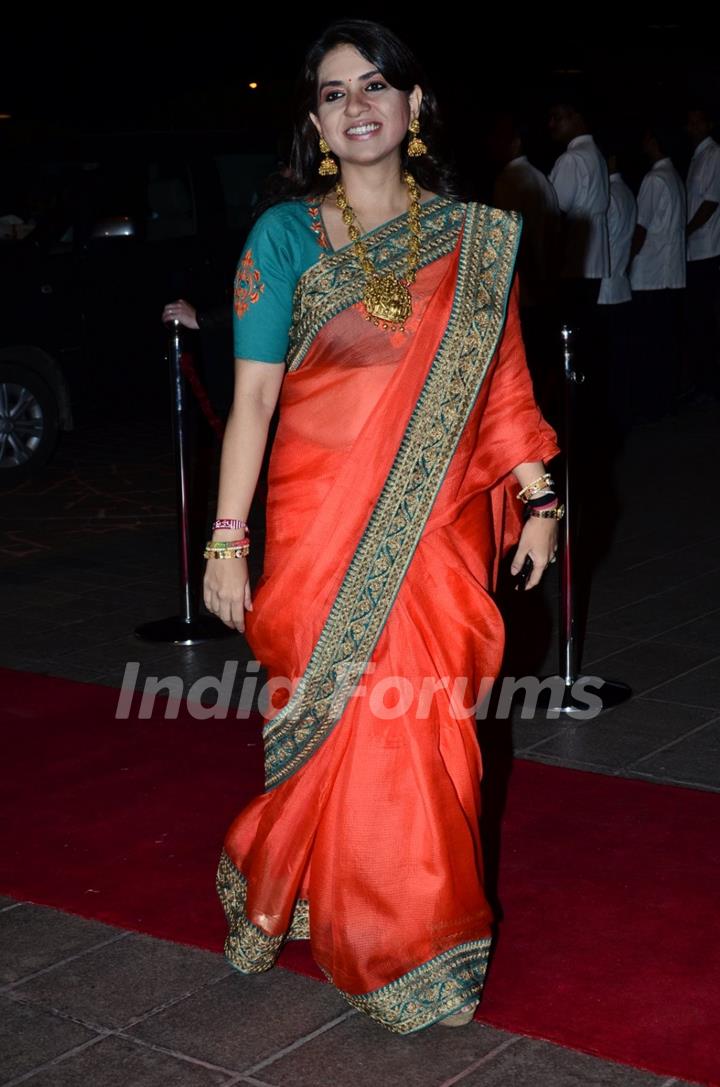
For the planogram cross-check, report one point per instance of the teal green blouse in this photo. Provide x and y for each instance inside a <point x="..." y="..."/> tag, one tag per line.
<point x="283" y="242"/>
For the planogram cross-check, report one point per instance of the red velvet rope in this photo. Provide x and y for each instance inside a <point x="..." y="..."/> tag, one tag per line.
<point x="187" y="365"/>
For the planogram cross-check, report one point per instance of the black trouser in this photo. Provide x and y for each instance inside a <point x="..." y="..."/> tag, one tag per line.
<point x="544" y="352"/>
<point x="616" y="321"/>
<point x="657" y="350"/>
<point x="589" y="440"/>
<point x="702" y="324"/>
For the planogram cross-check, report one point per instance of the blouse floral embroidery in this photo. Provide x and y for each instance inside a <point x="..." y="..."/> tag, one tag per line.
<point x="248" y="284"/>
<point x="317" y="225"/>
<point x="282" y="243"/>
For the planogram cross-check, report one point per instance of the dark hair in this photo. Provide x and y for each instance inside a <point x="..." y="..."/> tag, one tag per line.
<point x="619" y="142"/>
<point x="700" y="104"/>
<point x="402" y="70"/>
<point x="661" y="129"/>
<point x="520" y="126"/>
<point x="572" y="95"/>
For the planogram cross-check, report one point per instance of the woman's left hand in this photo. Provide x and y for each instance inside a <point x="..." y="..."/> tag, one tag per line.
<point x="539" y="540"/>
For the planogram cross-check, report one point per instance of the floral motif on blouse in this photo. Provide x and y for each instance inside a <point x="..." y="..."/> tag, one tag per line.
<point x="317" y="225"/>
<point x="248" y="284"/>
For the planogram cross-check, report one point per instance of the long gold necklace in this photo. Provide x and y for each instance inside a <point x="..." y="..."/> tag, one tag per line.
<point x="387" y="299"/>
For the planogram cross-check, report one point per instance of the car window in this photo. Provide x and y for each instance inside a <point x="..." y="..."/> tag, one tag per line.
<point x="170" y="211"/>
<point x="107" y="190"/>
<point x="35" y="199"/>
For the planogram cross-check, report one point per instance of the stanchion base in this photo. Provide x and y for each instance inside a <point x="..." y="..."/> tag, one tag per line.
<point x="610" y="692"/>
<point x="179" y="631"/>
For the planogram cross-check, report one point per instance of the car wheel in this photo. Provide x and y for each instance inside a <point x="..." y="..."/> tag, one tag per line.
<point x="29" y="422"/>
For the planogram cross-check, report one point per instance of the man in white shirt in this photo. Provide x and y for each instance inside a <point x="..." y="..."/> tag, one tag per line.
<point x="580" y="180"/>
<point x="622" y="216"/>
<point x="657" y="278"/>
<point x="520" y="186"/>
<point x="615" y="298"/>
<point x="703" y="254"/>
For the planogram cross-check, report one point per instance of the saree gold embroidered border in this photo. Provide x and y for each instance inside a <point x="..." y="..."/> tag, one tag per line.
<point x="411" y="1002"/>
<point x="247" y="946"/>
<point x="487" y="255"/>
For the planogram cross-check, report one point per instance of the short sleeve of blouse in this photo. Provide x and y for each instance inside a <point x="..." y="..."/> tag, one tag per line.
<point x="265" y="283"/>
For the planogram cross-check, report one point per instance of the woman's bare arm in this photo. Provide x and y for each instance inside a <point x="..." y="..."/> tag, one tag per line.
<point x="226" y="587"/>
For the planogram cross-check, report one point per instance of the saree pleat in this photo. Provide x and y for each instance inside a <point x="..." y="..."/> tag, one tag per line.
<point x="367" y="838"/>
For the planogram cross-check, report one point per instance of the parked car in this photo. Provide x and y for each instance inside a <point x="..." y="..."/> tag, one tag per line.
<point x="97" y="238"/>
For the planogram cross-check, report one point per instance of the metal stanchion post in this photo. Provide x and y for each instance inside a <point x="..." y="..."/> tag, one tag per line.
<point x="608" y="692"/>
<point x="189" y="627"/>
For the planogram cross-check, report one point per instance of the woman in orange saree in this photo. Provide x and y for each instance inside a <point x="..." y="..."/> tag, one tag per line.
<point x="391" y="500"/>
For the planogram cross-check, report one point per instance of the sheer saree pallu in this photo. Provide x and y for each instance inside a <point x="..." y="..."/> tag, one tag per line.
<point x="388" y="510"/>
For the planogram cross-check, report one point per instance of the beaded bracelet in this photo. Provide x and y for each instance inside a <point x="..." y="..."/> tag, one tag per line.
<point x="223" y="549"/>
<point x="558" y="512"/>
<point x="220" y="545"/>
<point x="229" y="522"/>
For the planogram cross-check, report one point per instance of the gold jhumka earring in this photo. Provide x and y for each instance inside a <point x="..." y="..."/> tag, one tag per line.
<point x="327" y="165"/>
<point x="416" y="147"/>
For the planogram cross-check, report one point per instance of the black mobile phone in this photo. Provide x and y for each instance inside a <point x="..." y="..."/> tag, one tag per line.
<point x="525" y="572"/>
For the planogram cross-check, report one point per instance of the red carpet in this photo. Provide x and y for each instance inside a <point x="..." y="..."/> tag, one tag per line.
<point x="610" y="887"/>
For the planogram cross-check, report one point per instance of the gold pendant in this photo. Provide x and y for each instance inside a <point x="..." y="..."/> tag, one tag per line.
<point x="387" y="299"/>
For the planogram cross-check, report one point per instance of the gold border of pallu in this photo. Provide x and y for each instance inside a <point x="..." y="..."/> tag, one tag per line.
<point x="428" y="992"/>
<point x="373" y="578"/>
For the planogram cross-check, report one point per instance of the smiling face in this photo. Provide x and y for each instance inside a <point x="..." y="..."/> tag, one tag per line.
<point x="360" y="115"/>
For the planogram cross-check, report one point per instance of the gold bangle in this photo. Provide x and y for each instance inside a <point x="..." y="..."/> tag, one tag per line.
<point x="226" y="553"/>
<point x="538" y="484"/>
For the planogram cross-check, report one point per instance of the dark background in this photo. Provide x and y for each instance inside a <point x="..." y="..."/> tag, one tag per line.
<point x="190" y="68"/>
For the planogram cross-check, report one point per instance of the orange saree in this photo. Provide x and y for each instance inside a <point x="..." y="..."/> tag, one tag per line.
<point x="390" y="504"/>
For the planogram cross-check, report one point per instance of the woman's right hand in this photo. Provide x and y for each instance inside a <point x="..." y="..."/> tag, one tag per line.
<point x="226" y="590"/>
